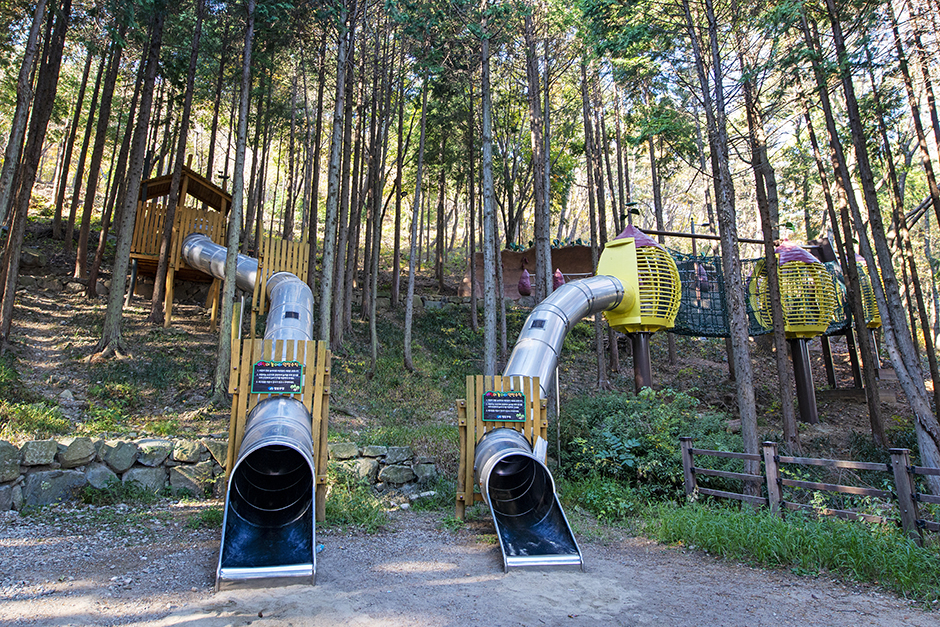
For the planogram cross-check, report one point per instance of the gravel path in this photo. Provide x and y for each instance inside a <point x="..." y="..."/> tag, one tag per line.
<point x="140" y="565"/>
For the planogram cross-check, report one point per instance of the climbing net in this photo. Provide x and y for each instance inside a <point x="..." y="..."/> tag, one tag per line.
<point x="703" y="311"/>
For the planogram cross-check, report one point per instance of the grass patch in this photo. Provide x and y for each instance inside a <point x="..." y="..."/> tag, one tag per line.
<point x="31" y="421"/>
<point x="879" y="554"/>
<point x="102" y="420"/>
<point x="350" y="503"/>
<point x="165" y="426"/>
<point x="206" y="518"/>
<point x="11" y="387"/>
<point x="117" y="492"/>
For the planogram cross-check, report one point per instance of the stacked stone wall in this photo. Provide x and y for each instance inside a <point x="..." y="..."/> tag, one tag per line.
<point x="43" y="472"/>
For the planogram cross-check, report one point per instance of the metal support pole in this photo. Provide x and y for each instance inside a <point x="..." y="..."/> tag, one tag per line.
<point x="642" y="370"/>
<point x="805" y="394"/>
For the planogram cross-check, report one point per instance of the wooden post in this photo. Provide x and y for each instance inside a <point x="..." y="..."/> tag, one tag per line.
<point x="827" y="359"/>
<point x="772" y="472"/>
<point x="853" y="358"/>
<point x="462" y="464"/>
<point x="907" y="506"/>
<point x="687" y="464"/>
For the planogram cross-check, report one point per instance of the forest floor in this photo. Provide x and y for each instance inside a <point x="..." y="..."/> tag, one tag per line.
<point x="136" y="564"/>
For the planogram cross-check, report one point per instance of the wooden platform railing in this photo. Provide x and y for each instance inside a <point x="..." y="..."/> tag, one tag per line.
<point x="276" y="255"/>
<point x="905" y="493"/>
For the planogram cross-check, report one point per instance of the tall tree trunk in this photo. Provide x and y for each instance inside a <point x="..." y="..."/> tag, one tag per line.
<point x="339" y="300"/>
<point x="791" y="434"/>
<point x="603" y="382"/>
<point x="416" y="210"/>
<point x="333" y="182"/>
<point x="903" y="241"/>
<point x="97" y="153"/>
<point x="213" y="132"/>
<point x="46" y="82"/>
<point x="897" y="338"/>
<point x="716" y="122"/>
<point x="543" y="244"/>
<point x="24" y="95"/>
<point x="315" y="186"/>
<point x="83" y="152"/>
<point x="399" y="167"/>
<point x="846" y="248"/>
<point x="111" y="341"/>
<point x="489" y="210"/>
<point x="223" y="365"/>
<point x="157" y="307"/>
<point x="69" y="145"/>
<point x="288" y="232"/>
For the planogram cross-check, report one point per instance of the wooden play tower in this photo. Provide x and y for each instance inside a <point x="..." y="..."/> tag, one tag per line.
<point x="202" y="208"/>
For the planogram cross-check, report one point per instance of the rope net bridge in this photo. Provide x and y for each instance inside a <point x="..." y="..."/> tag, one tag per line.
<point x="703" y="311"/>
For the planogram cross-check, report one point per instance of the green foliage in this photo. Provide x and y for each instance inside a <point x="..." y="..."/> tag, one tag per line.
<point x="102" y="419"/>
<point x="167" y="426"/>
<point x="11" y="387"/>
<point x="879" y="554"/>
<point x="609" y="500"/>
<point x="444" y="488"/>
<point x="31" y="421"/>
<point x="117" y="492"/>
<point x="452" y="523"/>
<point x="636" y="438"/>
<point x="350" y="503"/>
<point x="206" y="518"/>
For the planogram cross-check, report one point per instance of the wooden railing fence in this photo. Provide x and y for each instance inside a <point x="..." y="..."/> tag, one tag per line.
<point x="905" y="493"/>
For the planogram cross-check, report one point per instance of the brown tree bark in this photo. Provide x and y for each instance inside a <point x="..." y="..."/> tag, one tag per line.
<point x="112" y="341"/>
<point x="46" y="82"/>
<point x="97" y="153"/>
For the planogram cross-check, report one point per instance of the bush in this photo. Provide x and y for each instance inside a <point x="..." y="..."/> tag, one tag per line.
<point x="609" y="500"/>
<point x="636" y="438"/>
<point x="350" y="503"/>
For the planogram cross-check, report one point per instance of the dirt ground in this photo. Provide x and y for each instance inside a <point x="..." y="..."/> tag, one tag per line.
<point x="140" y="565"/>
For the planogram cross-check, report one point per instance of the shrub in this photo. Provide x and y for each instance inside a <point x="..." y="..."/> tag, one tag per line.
<point x="609" y="500"/>
<point x="636" y="438"/>
<point x="350" y="503"/>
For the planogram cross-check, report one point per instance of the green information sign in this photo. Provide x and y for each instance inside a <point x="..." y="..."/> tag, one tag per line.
<point x="277" y="377"/>
<point x="504" y="407"/>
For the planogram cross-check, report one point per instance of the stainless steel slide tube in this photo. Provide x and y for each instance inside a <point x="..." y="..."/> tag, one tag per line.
<point x="532" y="528"/>
<point x="268" y="535"/>
<point x="539" y="345"/>
<point x="204" y="255"/>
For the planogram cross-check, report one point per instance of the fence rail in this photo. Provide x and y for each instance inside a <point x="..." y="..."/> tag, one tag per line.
<point x="905" y="492"/>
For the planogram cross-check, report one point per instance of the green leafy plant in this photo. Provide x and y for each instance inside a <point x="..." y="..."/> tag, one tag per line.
<point x="636" y="438"/>
<point x="350" y="503"/>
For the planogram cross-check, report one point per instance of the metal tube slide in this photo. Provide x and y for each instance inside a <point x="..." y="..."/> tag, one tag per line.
<point x="269" y="528"/>
<point x="539" y="345"/>
<point x="204" y="255"/>
<point x="531" y="526"/>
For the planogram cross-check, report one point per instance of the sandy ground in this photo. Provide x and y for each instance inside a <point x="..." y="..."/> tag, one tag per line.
<point x="414" y="573"/>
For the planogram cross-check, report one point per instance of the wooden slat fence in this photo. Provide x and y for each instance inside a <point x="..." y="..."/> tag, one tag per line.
<point x="905" y="493"/>
<point x="472" y="427"/>
<point x="315" y="395"/>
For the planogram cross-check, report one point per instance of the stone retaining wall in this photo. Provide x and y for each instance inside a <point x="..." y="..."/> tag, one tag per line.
<point x="42" y="472"/>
